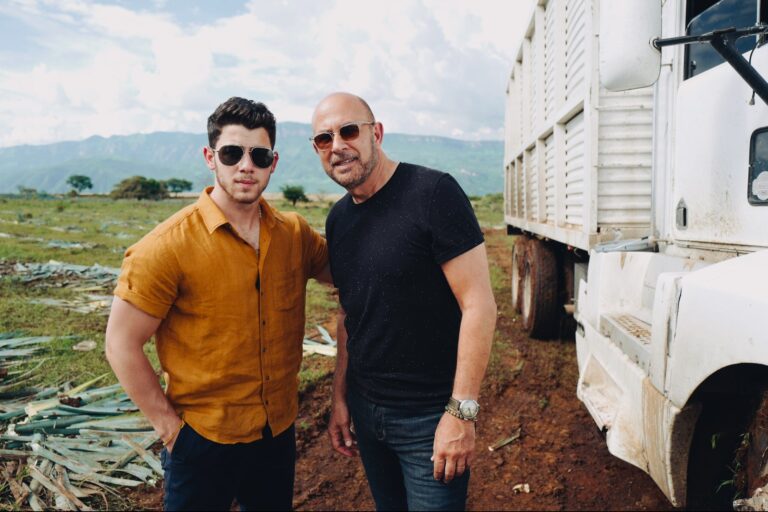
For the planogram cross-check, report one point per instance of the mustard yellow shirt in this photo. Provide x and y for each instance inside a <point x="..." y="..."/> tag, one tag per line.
<point x="232" y="325"/>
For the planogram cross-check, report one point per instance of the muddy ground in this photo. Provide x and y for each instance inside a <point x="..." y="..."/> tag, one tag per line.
<point x="560" y="454"/>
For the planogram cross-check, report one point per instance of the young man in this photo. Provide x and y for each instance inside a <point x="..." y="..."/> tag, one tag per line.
<point x="408" y="258"/>
<point x="221" y="285"/>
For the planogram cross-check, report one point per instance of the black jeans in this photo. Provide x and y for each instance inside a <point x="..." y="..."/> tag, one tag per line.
<point x="203" y="475"/>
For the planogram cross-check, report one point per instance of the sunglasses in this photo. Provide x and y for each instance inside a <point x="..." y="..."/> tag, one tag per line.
<point x="231" y="155"/>
<point x="348" y="132"/>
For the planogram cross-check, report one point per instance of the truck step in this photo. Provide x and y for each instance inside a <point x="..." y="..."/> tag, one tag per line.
<point x="630" y="334"/>
<point x="599" y="393"/>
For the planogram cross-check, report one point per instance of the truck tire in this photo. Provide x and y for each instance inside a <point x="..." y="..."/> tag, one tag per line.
<point x="518" y="263"/>
<point x="750" y="460"/>
<point x="727" y="457"/>
<point x="540" y="302"/>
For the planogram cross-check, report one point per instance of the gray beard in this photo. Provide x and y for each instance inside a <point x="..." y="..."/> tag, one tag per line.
<point x="367" y="169"/>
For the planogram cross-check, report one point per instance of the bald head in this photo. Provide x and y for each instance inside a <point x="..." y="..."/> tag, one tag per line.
<point x="342" y="104"/>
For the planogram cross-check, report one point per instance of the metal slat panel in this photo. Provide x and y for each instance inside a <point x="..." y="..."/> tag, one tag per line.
<point x="511" y="120"/>
<point x="519" y="110"/>
<point x="508" y="188"/>
<point x="625" y="144"/>
<point x="532" y="185"/>
<point x="549" y="180"/>
<point x="549" y="58"/>
<point x="520" y="189"/>
<point x="574" y="170"/>
<point x="532" y="83"/>
<point x="575" y="46"/>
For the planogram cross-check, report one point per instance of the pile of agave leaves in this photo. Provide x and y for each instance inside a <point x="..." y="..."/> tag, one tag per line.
<point x="66" y="448"/>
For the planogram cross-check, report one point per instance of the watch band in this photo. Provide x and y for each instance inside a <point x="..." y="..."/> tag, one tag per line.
<point x="457" y="414"/>
<point x="453" y="407"/>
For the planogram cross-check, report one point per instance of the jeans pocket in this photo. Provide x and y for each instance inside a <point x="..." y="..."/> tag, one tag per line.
<point x="179" y="446"/>
<point x="164" y="459"/>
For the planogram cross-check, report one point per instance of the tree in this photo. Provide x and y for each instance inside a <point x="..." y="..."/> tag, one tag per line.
<point x="177" y="185"/>
<point x="139" y="187"/>
<point x="79" y="182"/>
<point x="294" y="193"/>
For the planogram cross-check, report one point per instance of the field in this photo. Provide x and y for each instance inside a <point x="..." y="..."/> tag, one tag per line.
<point x="97" y="230"/>
<point x="528" y="390"/>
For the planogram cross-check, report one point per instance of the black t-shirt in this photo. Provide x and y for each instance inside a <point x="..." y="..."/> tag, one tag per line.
<point x="402" y="317"/>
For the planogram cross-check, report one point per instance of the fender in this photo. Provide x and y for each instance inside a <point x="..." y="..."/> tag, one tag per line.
<point x="722" y="320"/>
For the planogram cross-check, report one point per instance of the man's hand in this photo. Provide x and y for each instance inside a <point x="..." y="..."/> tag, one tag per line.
<point x="342" y="438"/>
<point x="454" y="447"/>
<point x="173" y="427"/>
<point x="169" y="446"/>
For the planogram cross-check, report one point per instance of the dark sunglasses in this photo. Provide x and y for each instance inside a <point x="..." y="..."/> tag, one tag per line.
<point x="348" y="132"/>
<point x="231" y="155"/>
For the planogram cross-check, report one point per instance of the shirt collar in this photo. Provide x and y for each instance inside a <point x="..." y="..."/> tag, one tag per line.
<point x="214" y="218"/>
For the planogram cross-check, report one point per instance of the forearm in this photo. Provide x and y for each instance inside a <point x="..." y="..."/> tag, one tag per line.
<point x="138" y="378"/>
<point x="478" y="324"/>
<point x="340" y="375"/>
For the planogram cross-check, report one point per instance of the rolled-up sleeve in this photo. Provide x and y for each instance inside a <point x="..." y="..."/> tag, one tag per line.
<point x="149" y="277"/>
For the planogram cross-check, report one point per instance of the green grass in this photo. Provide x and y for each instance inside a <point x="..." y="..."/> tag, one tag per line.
<point x="489" y="209"/>
<point x="106" y="228"/>
<point x="506" y="362"/>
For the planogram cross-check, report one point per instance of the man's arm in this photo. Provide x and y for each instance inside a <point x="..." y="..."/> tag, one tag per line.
<point x="128" y="329"/>
<point x="468" y="276"/>
<point x="342" y="438"/>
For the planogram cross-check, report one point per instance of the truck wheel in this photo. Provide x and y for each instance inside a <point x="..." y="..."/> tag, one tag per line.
<point x="518" y="262"/>
<point x="727" y="453"/>
<point x="539" y="308"/>
<point x="750" y="461"/>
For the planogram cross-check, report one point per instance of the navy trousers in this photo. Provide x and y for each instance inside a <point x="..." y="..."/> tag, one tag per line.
<point x="203" y="475"/>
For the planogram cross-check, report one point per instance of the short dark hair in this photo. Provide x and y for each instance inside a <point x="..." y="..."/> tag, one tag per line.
<point x="250" y="114"/>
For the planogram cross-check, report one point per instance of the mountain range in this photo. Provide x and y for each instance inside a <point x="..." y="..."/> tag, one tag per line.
<point x="477" y="166"/>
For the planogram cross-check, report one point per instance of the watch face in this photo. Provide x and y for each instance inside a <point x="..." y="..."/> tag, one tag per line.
<point x="469" y="408"/>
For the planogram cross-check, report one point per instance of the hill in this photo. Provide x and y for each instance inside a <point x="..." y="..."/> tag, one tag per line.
<point x="476" y="165"/>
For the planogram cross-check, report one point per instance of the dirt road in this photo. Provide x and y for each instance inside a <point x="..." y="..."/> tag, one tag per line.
<point x="560" y="454"/>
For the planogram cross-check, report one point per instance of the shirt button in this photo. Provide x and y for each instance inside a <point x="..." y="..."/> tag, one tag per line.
<point x="264" y="349"/>
<point x="266" y="402"/>
<point x="263" y="322"/>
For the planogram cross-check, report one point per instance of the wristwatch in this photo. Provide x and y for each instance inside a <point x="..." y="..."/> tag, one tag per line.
<point x="463" y="409"/>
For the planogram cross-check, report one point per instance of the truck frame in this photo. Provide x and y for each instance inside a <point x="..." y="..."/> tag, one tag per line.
<point x="636" y="182"/>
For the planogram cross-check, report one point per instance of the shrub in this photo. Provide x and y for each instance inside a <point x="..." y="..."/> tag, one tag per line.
<point x="139" y="187"/>
<point x="294" y="193"/>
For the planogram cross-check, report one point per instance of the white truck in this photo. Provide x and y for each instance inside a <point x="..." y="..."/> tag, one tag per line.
<point x="636" y="164"/>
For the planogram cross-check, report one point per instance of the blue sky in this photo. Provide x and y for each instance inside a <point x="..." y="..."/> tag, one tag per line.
<point x="70" y="69"/>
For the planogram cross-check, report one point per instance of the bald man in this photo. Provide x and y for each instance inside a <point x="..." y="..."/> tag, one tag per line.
<point x="409" y="260"/>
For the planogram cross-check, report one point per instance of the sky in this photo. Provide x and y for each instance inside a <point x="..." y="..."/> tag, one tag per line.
<point x="71" y="69"/>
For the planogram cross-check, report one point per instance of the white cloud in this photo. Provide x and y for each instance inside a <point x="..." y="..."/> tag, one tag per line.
<point x="426" y="66"/>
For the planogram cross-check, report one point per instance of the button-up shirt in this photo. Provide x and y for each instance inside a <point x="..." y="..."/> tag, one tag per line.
<point x="230" y="339"/>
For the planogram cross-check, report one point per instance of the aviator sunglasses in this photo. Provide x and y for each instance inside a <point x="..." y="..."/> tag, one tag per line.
<point x="231" y="155"/>
<point x="348" y="132"/>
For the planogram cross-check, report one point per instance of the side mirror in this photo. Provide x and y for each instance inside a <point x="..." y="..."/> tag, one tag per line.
<point x="628" y="59"/>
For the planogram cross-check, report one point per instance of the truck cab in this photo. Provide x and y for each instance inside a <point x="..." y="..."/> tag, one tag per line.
<point x="672" y="341"/>
<point x="670" y="311"/>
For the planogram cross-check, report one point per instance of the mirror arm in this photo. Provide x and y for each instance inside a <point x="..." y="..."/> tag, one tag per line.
<point x="724" y="43"/>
